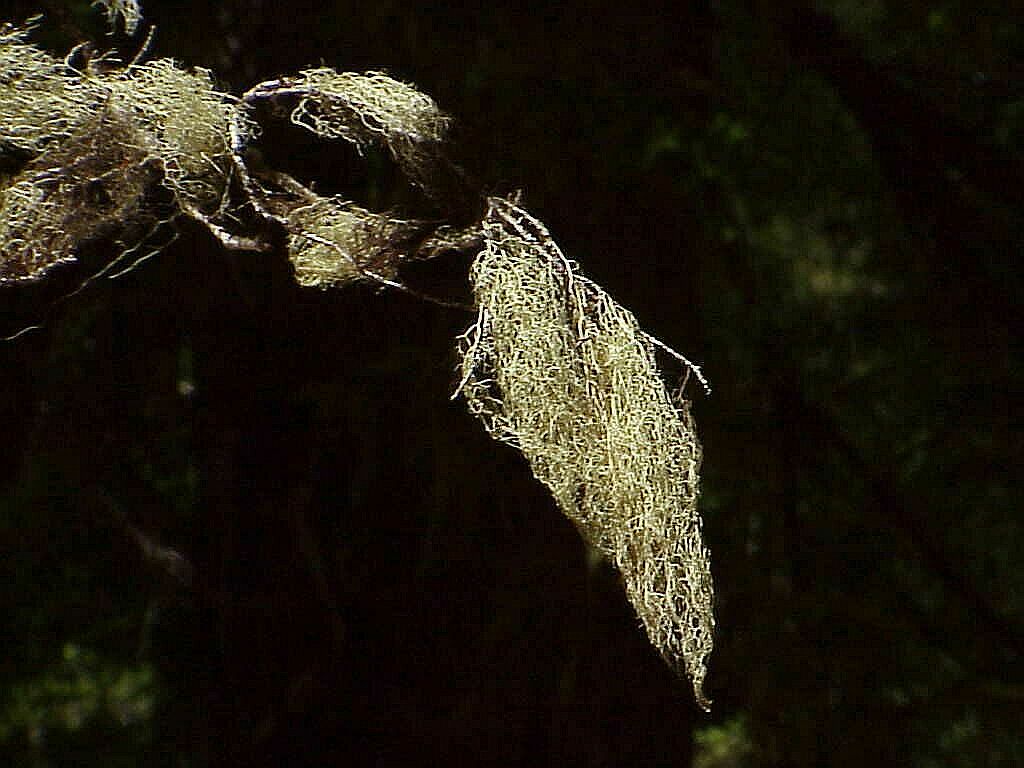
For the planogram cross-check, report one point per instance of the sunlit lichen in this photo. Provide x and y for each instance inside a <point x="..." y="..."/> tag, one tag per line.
<point x="558" y="369"/>
<point x="40" y="104"/>
<point x="93" y="144"/>
<point x="184" y="123"/>
<point x="374" y="108"/>
<point x="333" y="242"/>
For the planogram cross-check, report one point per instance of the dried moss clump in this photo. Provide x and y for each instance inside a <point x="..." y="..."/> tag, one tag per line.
<point x="556" y="368"/>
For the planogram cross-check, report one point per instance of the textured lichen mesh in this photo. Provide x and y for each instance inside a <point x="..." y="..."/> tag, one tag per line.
<point x="556" y="368"/>
<point x="333" y="242"/>
<point x="39" y="103"/>
<point x="86" y="187"/>
<point x="373" y="108"/>
<point x="184" y="122"/>
<point x="91" y="144"/>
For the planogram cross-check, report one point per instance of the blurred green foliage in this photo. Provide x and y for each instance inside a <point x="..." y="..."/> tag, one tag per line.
<point x="723" y="746"/>
<point x="73" y="693"/>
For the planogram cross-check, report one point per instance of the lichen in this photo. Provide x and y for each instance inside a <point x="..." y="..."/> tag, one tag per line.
<point x="333" y="242"/>
<point x="94" y="144"/>
<point x="373" y="108"/>
<point x="555" y="367"/>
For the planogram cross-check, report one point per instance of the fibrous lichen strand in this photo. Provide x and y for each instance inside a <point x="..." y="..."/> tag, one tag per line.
<point x="558" y="369"/>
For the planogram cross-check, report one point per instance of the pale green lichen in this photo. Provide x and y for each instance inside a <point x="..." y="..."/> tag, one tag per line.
<point x="84" y="187"/>
<point x="333" y="242"/>
<point x="184" y="122"/>
<point x="366" y="108"/>
<point x="558" y="369"/>
<point x="373" y="108"/>
<point x="39" y="103"/>
<point x="93" y="144"/>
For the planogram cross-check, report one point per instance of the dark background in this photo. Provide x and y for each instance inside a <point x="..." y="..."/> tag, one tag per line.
<point x="242" y="524"/>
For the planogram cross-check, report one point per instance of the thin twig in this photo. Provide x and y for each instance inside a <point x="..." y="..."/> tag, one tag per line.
<point x="144" y="48"/>
<point x="228" y="240"/>
<point x="689" y="365"/>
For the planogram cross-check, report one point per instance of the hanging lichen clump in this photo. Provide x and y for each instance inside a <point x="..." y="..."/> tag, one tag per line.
<point x="557" y="369"/>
